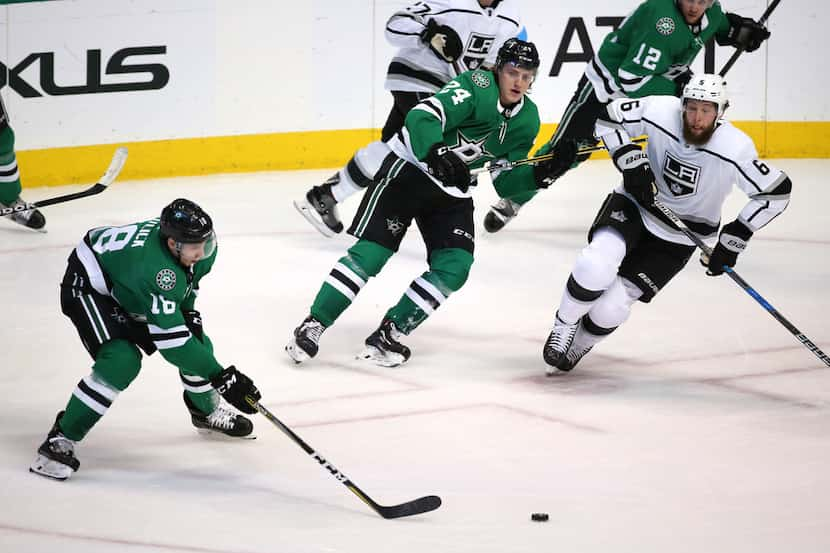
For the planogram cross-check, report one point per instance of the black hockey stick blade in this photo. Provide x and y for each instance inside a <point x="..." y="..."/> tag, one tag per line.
<point x="414" y="507"/>
<point x="115" y="166"/>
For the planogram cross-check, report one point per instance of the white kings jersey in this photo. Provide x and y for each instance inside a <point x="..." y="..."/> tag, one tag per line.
<point x="415" y="68"/>
<point x="694" y="181"/>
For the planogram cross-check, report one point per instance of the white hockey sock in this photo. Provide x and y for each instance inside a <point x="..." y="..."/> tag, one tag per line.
<point x="595" y="269"/>
<point x="360" y="170"/>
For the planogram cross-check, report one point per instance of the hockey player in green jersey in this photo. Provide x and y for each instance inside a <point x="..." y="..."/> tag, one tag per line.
<point x="10" y="177"/>
<point x="480" y="116"/>
<point x="649" y="54"/>
<point x="134" y="287"/>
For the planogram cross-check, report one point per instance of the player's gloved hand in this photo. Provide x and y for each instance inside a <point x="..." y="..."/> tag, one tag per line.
<point x="744" y="33"/>
<point x="732" y="241"/>
<point x="193" y="321"/>
<point x="442" y="40"/>
<point x="681" y="81"/>
<point x="564" y="155"/>
<point x="236" y="388"/>
<point x="638" y="179"/>
<point x="446" y="166"/>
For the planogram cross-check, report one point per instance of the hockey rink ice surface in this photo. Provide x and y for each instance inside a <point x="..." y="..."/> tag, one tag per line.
<point x="702" y="424"/>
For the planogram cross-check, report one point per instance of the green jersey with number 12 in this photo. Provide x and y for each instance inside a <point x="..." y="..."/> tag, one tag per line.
<point x="133" y="264"/>
<point x="652" y="46"/>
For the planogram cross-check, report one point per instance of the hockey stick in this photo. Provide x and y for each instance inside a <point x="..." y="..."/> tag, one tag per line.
<point x="507" y="165"/>
<point x="738" y="51"/>
<point x="414" y="507"/>
<point x="743" y="284"/>
<point x="117" y="163"/>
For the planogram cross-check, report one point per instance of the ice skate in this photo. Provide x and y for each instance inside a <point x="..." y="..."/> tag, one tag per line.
<point x="500" y="214"/>
<point x="305" y="342"/>
<point x="557" y="345"/>
<point x="320" y="208"/>
<point x="31" y="218"/>
<point x="223" y="420"/>
<point x="382" y="346"/>
<point x="56" y="456"/>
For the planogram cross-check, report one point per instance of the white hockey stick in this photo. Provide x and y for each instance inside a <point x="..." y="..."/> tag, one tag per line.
<point x="117" y="163"/>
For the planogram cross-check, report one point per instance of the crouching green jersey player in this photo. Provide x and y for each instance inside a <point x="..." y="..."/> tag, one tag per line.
<point x="133" y="288"/>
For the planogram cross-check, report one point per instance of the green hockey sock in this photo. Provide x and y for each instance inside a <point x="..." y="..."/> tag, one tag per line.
<point x="449" y="269"/>
<point x="348" y="276"/>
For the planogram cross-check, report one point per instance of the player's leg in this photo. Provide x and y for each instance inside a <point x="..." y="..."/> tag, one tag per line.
<point x="577" y="123"/>
<point x="319" y="206"/>
<point x="615" y="231"/>
<point x="380" y="224"/>
<point x="10" y="180"/>
<point x="643" y="273"/>
<point x="104" y="330"/>
<point x="448" y="232"/>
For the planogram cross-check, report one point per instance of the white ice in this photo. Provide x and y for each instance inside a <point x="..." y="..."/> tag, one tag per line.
<point x="702" y="424"/>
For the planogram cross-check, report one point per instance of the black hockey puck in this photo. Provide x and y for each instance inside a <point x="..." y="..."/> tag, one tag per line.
<point x="539" y="517"/>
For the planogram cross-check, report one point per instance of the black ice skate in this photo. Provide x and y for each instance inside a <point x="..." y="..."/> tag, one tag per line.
<point x="383" y="348"/>
<point x="305" y="342"/>
<point x="222" y="420"/>
<point x="320" y="208"/>
<point x="558" y="344"/>
<point x="31" y="218"/>
<point x="56" y="456"/>
<point x="500" y="214"/>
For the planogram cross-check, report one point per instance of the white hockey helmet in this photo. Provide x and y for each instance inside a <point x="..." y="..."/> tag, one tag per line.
<point x="707" y="87"/>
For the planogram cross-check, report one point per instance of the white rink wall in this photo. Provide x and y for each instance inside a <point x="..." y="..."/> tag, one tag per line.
<point x="260" y="66"/>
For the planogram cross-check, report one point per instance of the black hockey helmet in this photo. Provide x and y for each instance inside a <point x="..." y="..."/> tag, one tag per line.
<point x="518" y="52"/>
<point x="186" y="223"/>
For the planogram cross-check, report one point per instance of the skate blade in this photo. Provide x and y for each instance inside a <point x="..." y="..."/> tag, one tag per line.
<point x="296" y="353"/>
<point x="381" y="358"/>
<point x="43" y="466"/>
<point x="308" y="212"/>
<point x="219" y="435"/>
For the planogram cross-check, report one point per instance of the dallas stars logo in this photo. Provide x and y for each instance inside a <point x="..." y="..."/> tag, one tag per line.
<point x="394" y="226"/>
<point x="166" y="279"/>
<point x="665" y="26"/>
<point x="470" y="150"/>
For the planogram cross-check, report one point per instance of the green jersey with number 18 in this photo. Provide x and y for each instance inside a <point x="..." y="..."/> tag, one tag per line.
<point x="133" y="264"/>
<point x="651" y="47"/>
<point x="467" y="116"/>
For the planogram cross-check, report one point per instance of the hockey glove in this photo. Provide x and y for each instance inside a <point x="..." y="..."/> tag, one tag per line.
<point x="442" y="40"/>
<point x="744" y="33"/>
<point x="237" y="389"/>
<point x="638" y="179"/>
<point x="732" y="241"/>
<point x="446" y="166"/>
<point x="564" y="156"/>
<point x="681" y="81"/>
<point x="193" y="321"/>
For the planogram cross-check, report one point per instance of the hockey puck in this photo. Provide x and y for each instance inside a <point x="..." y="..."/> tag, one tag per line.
<point x="539" y="517"/>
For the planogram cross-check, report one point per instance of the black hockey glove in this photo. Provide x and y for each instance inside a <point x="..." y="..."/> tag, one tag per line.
<point x="638" y="179"/>
<point x="446" y="166"/>
<point x="681" y="81"/>
<point x="193" y="321"/>
<point x="564" y="155"/>
<point x="732" y="241"/>
<point x="744" y="33"/>
<point x="237" y="389"/>
<point x="442" y="40"/>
